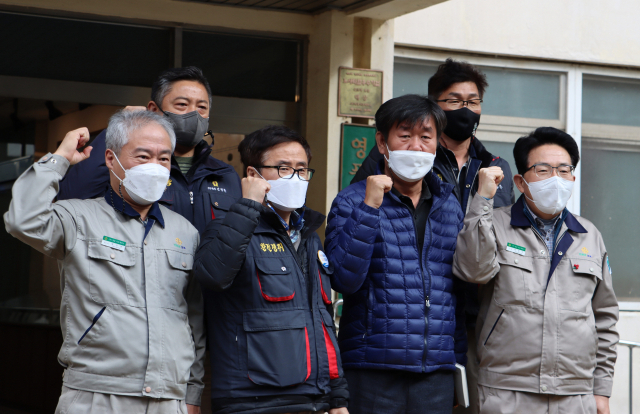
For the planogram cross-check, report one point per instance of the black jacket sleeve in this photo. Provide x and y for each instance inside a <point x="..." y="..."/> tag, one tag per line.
<point x="89" y="178"/>
<point x="507" y="196"/>
<point x="368" y="166"/>
<point x="224" y="244"/>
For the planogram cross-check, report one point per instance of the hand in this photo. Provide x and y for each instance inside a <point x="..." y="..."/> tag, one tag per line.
<point x="341" y="410"/>
<point x="255" y="188"/>
<point x="377" y="186"/>
<point x="135" y="108"/>
<point x="602" y="403"/>
<point x="71" y="143"/>
<point x="489" y="180"/>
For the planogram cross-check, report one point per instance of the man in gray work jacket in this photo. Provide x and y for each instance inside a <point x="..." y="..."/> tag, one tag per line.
<point x="546" y="333"/>
<point x="131" y="311"/>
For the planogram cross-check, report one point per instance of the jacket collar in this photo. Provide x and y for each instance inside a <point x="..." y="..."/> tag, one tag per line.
<point x="203" y="164"/>
<point x="269" y="222"/>
<point x="476" y="151"/>
<point x="519" y="218"/>
<point x="114" y="200"/>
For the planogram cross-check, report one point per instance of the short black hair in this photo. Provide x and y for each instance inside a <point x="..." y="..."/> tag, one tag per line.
<point x="254" y="146"/>
<point x="410" y="109"/>
<point x="543" y="136"/>
<point x="454" y="71"/>
<point x="162" y="86"/>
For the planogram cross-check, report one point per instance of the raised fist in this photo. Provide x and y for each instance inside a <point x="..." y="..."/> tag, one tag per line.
<point x="377" y="186"/>
<point x="72" y="142"/>
<point x="488" y="181"/>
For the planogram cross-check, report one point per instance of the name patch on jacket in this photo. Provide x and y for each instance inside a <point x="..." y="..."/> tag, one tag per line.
<point x="272" y="247"/>
<point x="215" y="187"/>
<point x="114" y="243"/>
<point x="514" y="248"/>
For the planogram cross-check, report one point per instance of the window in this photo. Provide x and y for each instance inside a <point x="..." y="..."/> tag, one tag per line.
<point x="243" y="66"/>
<point x="610" y="173"/>
<point x="610" y="101"/>
<point x="82" y="51"/>
<point x="520" y="93"/>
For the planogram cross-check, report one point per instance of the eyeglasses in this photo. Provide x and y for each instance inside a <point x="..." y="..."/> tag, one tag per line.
<point x="459" y="103"/>
<point x="288" y="172"/>
<point x="545" y="171"/>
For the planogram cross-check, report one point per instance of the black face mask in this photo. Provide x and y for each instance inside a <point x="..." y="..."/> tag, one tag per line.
<point x="190" y="128"/>
<point x="461" y="124"/>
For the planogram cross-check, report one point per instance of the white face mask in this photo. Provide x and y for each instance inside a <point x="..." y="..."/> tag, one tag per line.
<point x="287" y="194"/>
<point x="410" y="166"/>
<point x="550" y="195"/>
<point x="145" y="183"/>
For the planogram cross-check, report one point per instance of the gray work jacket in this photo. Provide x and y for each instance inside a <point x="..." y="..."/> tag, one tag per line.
<point x="131" y="312"/>
<point x="547" y="321"/>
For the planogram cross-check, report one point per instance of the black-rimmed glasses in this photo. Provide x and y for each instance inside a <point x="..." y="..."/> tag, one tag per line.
<point x="288" y="172"/>
<point x="459" y="103"/>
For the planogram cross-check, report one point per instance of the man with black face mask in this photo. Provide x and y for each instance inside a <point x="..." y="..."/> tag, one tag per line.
<point x="458" y="87"/>
<point x="201" y="187"/>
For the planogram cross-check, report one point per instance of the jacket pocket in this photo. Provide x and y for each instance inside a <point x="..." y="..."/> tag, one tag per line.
<point x="175" y="279"/>
<point x="93" y="322"/>
<point x="278" y="351"/>
<point x="111" y="280"/>
<point x="331" y="345"/>
<point x="577" y="349"/>
<point x="576" y="290"/>
<point x="511" y="284"/>
<point x="493" y="327"/>
<point x="325" y="286"/>
<point x="274" y="279"/>
<point x="218" y="203"/>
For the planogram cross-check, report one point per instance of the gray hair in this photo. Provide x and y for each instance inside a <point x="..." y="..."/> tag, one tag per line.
<point x="124" y="122"/>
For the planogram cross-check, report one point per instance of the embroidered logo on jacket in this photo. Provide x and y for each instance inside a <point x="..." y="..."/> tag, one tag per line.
<point x="272" y="247"/>
<point x="216" y="187"/>
<point x="178" y="244"/>
<point x="585" y="252"/>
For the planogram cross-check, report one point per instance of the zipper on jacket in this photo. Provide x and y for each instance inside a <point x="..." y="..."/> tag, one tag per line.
<point x="428" y="293"/>
<point x="471" y="191"/>
<point x="191" y="196"/>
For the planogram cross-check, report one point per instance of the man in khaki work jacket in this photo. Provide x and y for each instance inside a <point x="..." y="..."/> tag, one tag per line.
<point x="131" y="311"/>
<point x="546" y="329"/>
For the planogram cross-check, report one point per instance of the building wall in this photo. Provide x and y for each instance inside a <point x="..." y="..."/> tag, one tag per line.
<point x="593" y="31"/>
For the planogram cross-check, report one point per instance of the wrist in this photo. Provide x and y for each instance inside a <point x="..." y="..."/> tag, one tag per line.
<point x="372" y="203"/>
<point x="485" y="195"/>
<point x="62" y="154"/>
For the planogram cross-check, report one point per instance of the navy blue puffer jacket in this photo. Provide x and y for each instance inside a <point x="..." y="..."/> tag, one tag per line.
<point x="399" y="304"/>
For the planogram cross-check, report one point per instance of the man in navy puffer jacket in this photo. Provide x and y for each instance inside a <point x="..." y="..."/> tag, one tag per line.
<point x="391" y="240"/>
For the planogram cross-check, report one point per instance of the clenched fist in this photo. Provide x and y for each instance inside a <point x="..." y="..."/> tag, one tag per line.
<point x="71" y="143"/>
<point x="255" y="188"/>
<point x="489" y="178"/>
<point x="377" y="186"/>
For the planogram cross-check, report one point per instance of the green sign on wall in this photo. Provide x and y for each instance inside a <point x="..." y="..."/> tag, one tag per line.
<point x="357" y="141"/>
